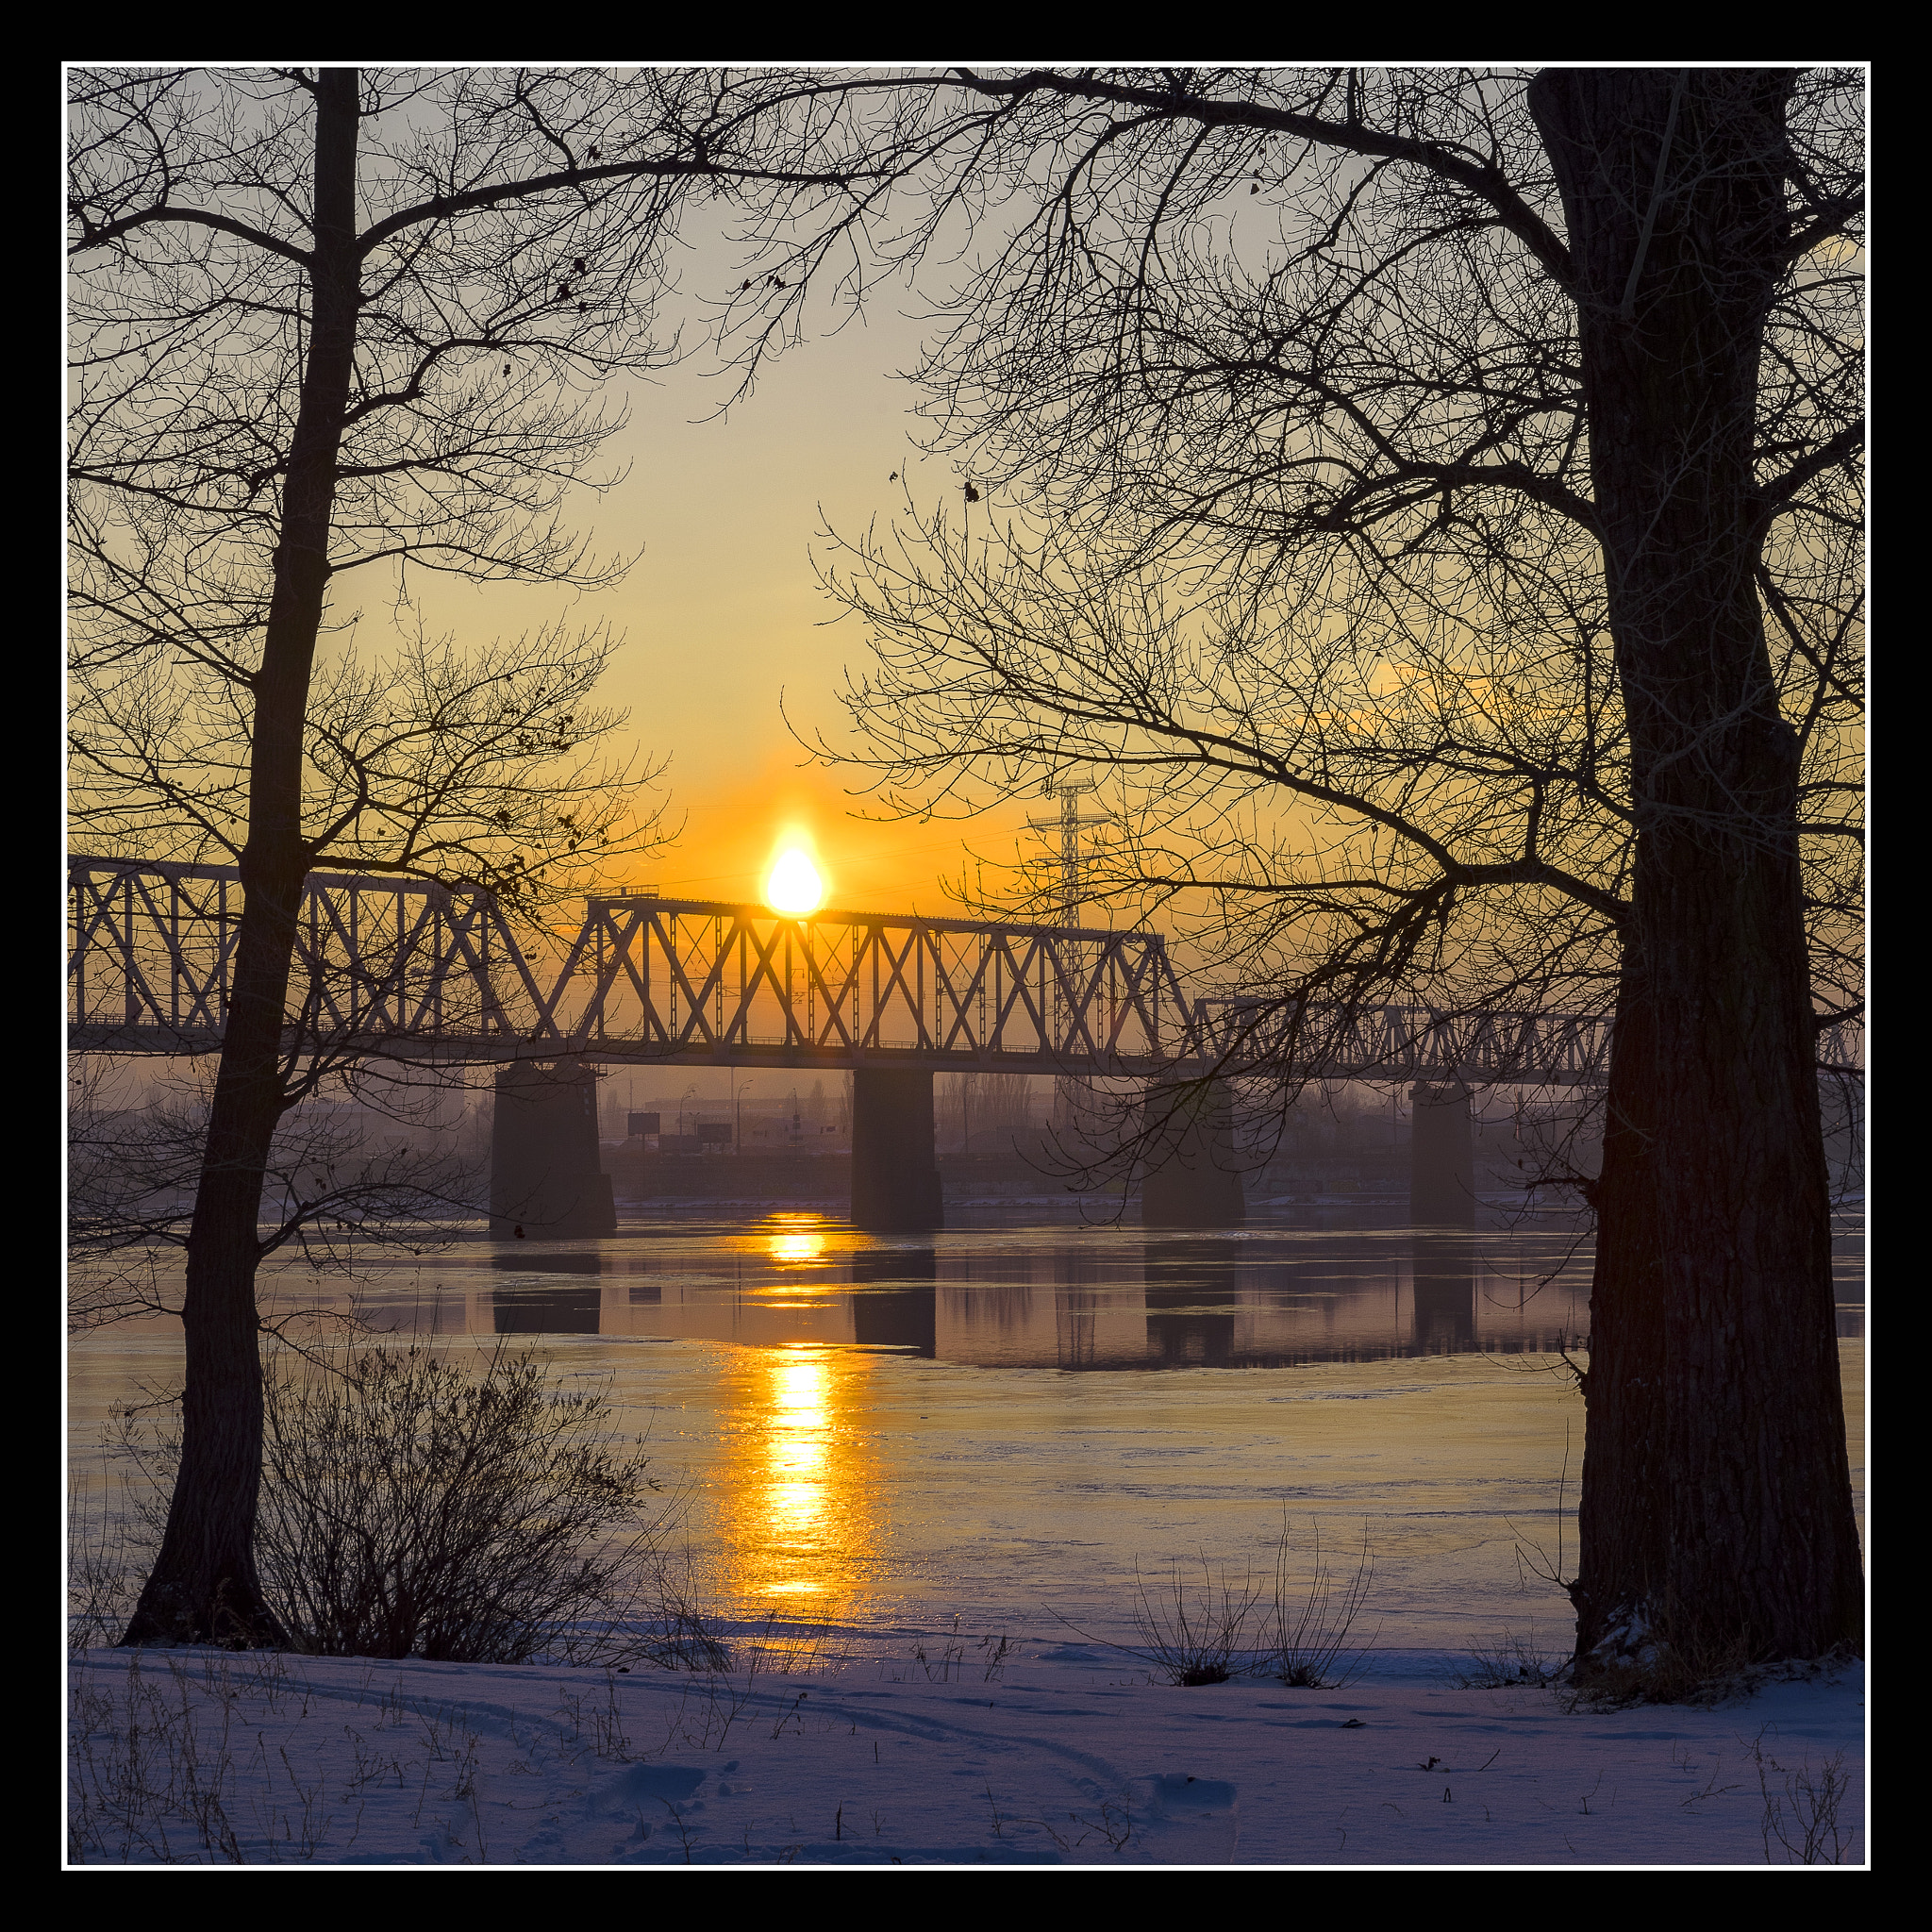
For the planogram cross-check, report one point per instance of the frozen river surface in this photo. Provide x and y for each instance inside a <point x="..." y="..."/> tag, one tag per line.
<point x="1014" y="1425"/>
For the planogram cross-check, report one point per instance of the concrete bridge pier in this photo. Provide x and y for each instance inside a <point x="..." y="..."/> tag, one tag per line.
<point x="1441" y="1158"/>
<point x="1191" y="1178"/>
<point x="895" y="1177"/>
<point x="545" y="1180"/>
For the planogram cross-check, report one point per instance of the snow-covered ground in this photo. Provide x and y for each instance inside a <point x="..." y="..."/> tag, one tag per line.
<point x="934" y="1750"/>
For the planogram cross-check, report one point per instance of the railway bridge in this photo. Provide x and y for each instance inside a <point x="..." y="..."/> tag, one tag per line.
<point x="418" y="972"/>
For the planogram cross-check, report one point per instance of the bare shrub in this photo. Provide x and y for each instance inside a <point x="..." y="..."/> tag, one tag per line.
<point x="415" y="1507"/>
<point x="1309" y="1636"/>
<point x="353" y="1496"/>
<point x="1191" y="1633"/>
<point x="1200" y="1632"/>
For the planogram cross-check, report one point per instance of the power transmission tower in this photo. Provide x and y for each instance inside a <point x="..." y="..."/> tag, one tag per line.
<point x="1069" y="1095"/>
<point x="1069" y="825"/>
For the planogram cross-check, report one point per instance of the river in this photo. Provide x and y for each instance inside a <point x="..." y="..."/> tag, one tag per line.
<point x="1021" y="1422"/>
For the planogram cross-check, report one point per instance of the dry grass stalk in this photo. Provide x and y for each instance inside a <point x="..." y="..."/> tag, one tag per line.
<point x="1802" y="1816"/>
<point x="1510" y="1660"/>
<point x="1678" y="1661"/>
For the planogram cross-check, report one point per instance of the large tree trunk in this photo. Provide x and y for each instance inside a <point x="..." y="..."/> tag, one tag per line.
<point x="1717" y="1505"/>
<point x="204" y="1584"/>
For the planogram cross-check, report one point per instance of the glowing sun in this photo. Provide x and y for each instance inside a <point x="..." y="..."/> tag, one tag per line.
<point x="794" y="885"/>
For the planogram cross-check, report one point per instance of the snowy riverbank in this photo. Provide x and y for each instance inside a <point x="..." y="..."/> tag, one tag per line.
<point x="1057" y="1753"/>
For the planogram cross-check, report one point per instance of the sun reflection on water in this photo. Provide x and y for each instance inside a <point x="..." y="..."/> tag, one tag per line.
<point x="797" y="1247"/>
<point x="793" y="1238"/>
<point x="799" y="1450"/>
<point x="802" y="1511"/>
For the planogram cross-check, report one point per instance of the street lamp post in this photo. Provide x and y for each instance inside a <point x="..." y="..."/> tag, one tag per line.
<point x="738" y="1094"/>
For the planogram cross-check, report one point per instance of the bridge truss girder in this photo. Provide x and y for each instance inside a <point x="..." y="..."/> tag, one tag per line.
<point x="410" y="971"/>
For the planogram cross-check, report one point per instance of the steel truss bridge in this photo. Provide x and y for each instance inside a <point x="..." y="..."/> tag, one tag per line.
<point x="410" y="971"/>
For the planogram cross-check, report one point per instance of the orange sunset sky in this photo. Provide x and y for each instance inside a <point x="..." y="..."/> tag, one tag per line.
<point x="723" y="614"/>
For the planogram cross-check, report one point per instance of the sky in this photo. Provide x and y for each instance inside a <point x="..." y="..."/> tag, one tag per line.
<point x="724" y="618"/>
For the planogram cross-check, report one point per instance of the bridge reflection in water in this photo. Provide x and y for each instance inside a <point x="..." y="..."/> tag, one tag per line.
<point x="1442" y="1277"/>
<point x="1063" y="1298"/>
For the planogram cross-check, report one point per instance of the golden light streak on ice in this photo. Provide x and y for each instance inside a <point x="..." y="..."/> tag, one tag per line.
<point x="801" y="1508"/>
<point x="797" y="1247"/>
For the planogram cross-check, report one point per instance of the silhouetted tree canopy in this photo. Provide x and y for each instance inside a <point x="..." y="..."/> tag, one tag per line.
<point x="1432" y="499"/>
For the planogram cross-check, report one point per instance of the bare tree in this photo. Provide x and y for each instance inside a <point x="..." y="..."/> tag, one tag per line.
<point x="330" y="322"/>
<point x="1433" y="499"/>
